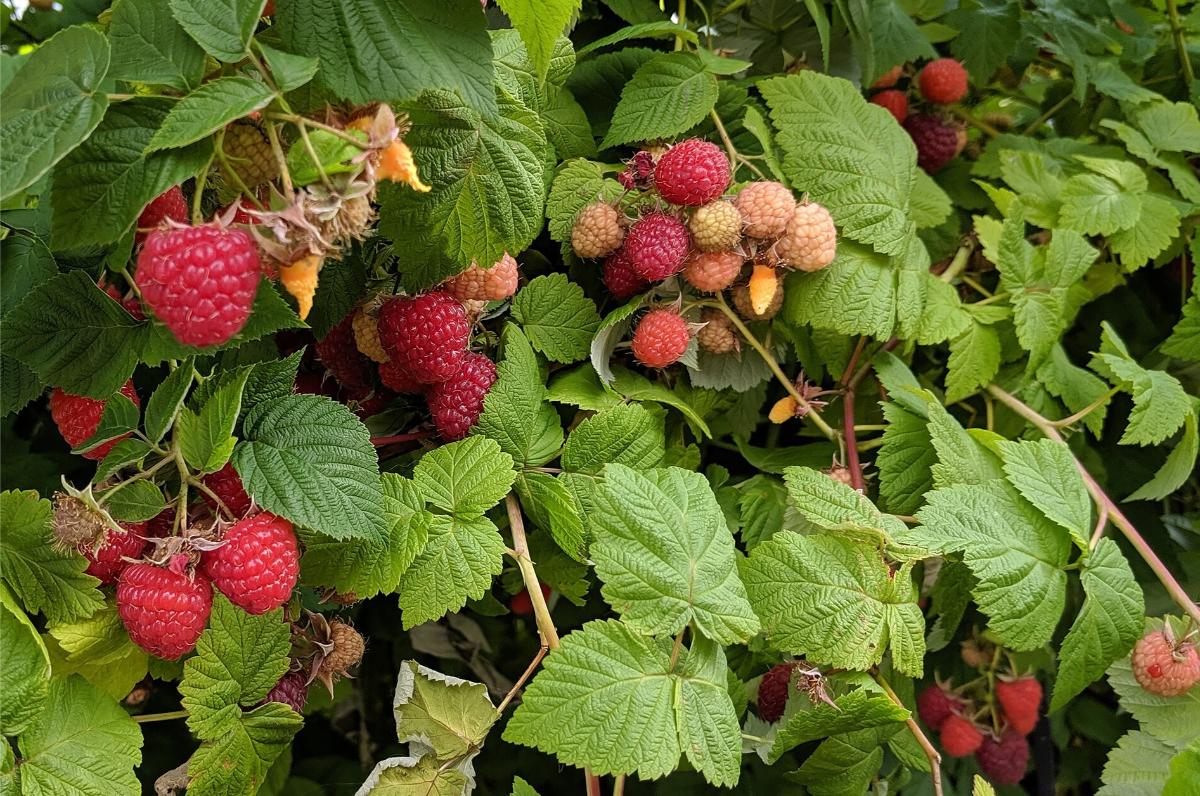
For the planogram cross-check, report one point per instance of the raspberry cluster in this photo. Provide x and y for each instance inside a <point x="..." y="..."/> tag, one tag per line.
<point x="941" y="82"/>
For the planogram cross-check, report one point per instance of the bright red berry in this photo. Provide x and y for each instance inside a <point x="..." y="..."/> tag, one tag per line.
<point x="936" y="141"/>
<point x="773" y="692"/>
<point x="889" y="78"/>
<point x="107" y="561"/>
<point x="521" y="603"/>
<point x="693" y="172"/>
<point x="661" y="338"/>
<point x="164" y="611"/>
<point x="258" y="565"/>
<point x="227" y="485"/>
<point x="200" y="281"/>
<point x="657" y="246"/>
<point x="426" y="335"/>
<point x="395" y="377"/>
<point x="78" y="418"/>
<point x="1004" y="761"/>
<point x="620" y="278"/>
<point x="1163" y="667"/>
<point x="457" y="403"/>
<point x="943" y="81"/>
<point x="339" y="353"/>
<point x="170" y="204"/>
<point x="1022" y="701"/>
<point x="935" y="706"/>
<point x="291" y="690"/>
<point x="959" y="736"/>
<point x="894" y="102"/>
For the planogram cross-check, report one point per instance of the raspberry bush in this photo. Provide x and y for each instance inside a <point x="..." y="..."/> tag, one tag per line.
<point x="576" y="397"/>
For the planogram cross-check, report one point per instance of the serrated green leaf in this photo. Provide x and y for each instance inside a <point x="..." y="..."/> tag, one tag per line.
<point x="236" y="762"/>
<point x="309" y="459"/>
<point x="57" y="103"/>
<point x="835" y="602"/>
<point x="167" y="399"/>
<point x="845" y="764"/>
<point x="1178" y="467"/>
<point x="522" y="788"/>
<point x="1184" y="341"/>
<point x="637" y="387"/>
<point x="962" y="459"/>
<point x="1045" y="473"/>
<point x="974" y="361"/>
<point x="625" y="433"/>
<point x="666" y="96"/>
<point x="551" y="505"/>
<point x="856" y="294"/>
<point x="656" y="29"/>
<point x="1107" y="627"/>
<point x="222" y="27"/>
<point x="540" y="24"/>
<point x="125" y="452"/>
<point x="25" y="676"/>
<point x="149" y="46"/>
<point x="857" y="710"/>
<point x="1156" y="227"/>
<point x="895" y="37"/>
<point x="289" y="70"/>
<point x="1074" y="386"/>
<point x="988" y="30"/>
<point x="829" y="504"/>
<point x="208" y="109"/>
<point x="467" y="477"/>
<point x="137" y="502"/>
<point x="1138" y="765"/>
<point x="99" y="650"/>
<point x="666" y="556"/>
<point x="515" y="411"/>
<point x="458" y="563"/>
<point x="414" y="776"/>
<point x="449" y="715"/>
<point x="1171" y="126"/>
<point x="120" y="416"/>
<point x="558" y="318"/>
<point x="904" y="460"/>
<point x="1095" y="205"/>
<point x="205" y="436"/>
<point x="1160" y="404"/>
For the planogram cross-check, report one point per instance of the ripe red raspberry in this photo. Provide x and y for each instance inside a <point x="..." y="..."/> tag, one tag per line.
<point x="773" y="692"/>
<point x="620" y="278"/>
<point x="1004" y="761"/>
<point x="457" y="403"/>
<point x="693" y="172"/>
<point x="713" y="271"/>
<point x="169" y="204"/>
<point x="258" y="565"/>
<point x="935" y="141"/>
<point x="78" y="418"/>
<point x="426" y="335"/>
<point x="810" y="241"/>
<point x="661" y="338"/>
<point x="716" y="226"/>
<point x="291" y="690"/>
<point x="894" y="102"/>
<point x="396" y="378"/>
<point x="339" y="353"/>
<point x="200" y="281"/>
<point x="934" y="706"/>
<point x="164" y="611"/>
<point x="1163" y="667"/>
<point x="657" y="246"/>
<point x="107" y="561"/>
<point x="717" y="335"/>
<point x="226" y="484"/>
<point x="765" y="208"/>
<point x="943" y="81"/>
<point x="889" y="78"/>
<point x="486" y="284"/>
<point x="597" y="231"/>
<point x="521" y="603"/>
<point x="959" y="736"/>
<point x="1022" y="701"/>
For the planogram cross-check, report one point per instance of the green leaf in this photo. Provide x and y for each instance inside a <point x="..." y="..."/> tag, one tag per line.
<point x="567" y="126"/>
<point x="334" y="156"/>
<point x="222" y="27"/>
<point x="458" y="563"/>
<point x="99" y="650"/>
<point x="289" y="70"/>
<point x="138" y="502"/>
<point x="856" y="294"/>
<point x="415" y="776"/>
<point x="1156" y="227"/>
<point x="450" y="716"/>
<point x="522" y="788"/>
<point x="236" y="762"/>
<point x="1074" y="386"/>
<point x="857" y="710"/>
<point x="540" y="24"/>
<point x="206" y="437"/>
<point x="1171" y="126"/>
<point x="54" y="103"/>
<point x="666" y="556"/>
<point x="42" y="578"/>
<point x="669" y="94"/>
<point x="551" y="505"/>
<point x="167" y="399"/>
<point x="1016" y="553"/>
<point x="515" y="411"/>
<point x="895" y="36"/>
<point x="835" y="601"/>
<point x="974" y="361"/>
<point x="845" y="764"/>
<point x="1139" y="765"/>
<point x="832" y="505"/>
<point x="1095" y="205"/>
<point x="208" y="109"/>
<point x="149" y="46"/>
<point x="577" y="184"/>
<point x="119" y="417"/>
<point x="1178" y="467"/>
<point x="1107" y="627"/>
<point x="626" y="433"/>
<point x="904" y="461"/>
<point x="25" y="676"/>
<point x="988" y="31"/>
<point x="962" y="458"/>
<point x="467" y="477"/>
<point x="637" y="387"/>
<point x="369" y="566"/>
<point x="931" y="205"/>
<point x="1160" y="404"/>
<point x="1045" y="473"/>
<point x="83" y="742"/>
<point x="848" y="154"/>
<point x="309" y="459"/>
<point x="558" y="318"/>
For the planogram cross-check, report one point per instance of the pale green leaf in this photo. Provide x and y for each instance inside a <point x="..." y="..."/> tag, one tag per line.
<point x="1160" y="404"/>
<point x="1138" y="765"/>
<point x="666" y="96"/>
<point x="961" y="458"/>
<point x="653" y="29"/>
<point x="222" y="27"/>
<point x="856" y="294"/>
<point x="904" y="460"/>
<point x="1095" y="205"/>
<point x="1184" y="341"/>
<point x="99" y="650"/>
<point x="289" y="70"/>
<point x="450" y="716"/>
<point x="550" y="504"/>
<point x="558" y="318"/>
<point x="540" y="24"/>
<point x="458" y="563"/>
<point x="626" y="433"/>
<point x="1045" y="473"/>
<point x="237" y="761"/>
<point x="1156" y="227"/>
<point x="1171" y="126"/>
<point x="1074" y="386"/>
<point x="208" y="109"/>
<point x="708" y="724"/>
<point x="974" y="361"/>
<point x="413" y="776"/>
<point x="206" y="437"/>
<point x="1178" y="467"/>
<point x="515" y="411"/>
<point x="467" y="477"/>
<point x="165" y="402"/>
<point x="25" y="675"/>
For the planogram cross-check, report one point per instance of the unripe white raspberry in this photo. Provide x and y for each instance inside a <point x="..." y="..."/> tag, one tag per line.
<point x="597" y="231"/>
<point x="765" y="208"/>
<point x="716" y="226"/>
<point x="713" y="271"/>
<point x="810" y="242"/>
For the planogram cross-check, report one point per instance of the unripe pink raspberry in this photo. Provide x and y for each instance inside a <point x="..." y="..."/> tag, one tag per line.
<point x="693" y="172"/>
<point x="717" y="336"/>
<point x="1165" y="667"/>
<point x="810" y="241"/>
<point x="657" y="246"/>
<point x="716" y="226"/>
<point x="713" y="271"/>
<point x="894" y="102"/>
<point x="661" y="338"/>
<point x="597" y="231"/>
<point x="765" y="208"/>
<point x="620" y="278"/>
<point x="943" y="81"/>
<point x="486" y="284"/>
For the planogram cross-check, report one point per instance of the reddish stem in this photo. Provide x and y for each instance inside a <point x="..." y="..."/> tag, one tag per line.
<point x="852" y="461"/>
<point x="379" y="442"/>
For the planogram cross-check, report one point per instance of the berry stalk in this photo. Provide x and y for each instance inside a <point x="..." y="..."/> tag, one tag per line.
<point x="931" y="752"/>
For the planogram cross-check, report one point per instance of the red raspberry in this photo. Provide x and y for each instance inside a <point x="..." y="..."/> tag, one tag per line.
<point x="291" y="690"/>
<point x="78" y="418"/>
<point x="339" y="353"/>
<point x="396" y="378"/>
<point x="889" y="78"/>
<point x="773" y="692"/>
<point x="1163" y="667"/>
<point x="935" y="706"/>
<point x="164" y="611"/>
<point x="657" y="246"/>
<point x="107" y="561"/>
<point x="1022" y="701"/>
<point x="1004" y="761"/>
<point x="713" y="271"/>
<point x="936" y="141"/>
<point x="894" y="102"/>
<point x="521" y="603"/>
<point x="620" y="278"/>
<point x="693" y="172"/>
<point x="661" y="338"/>
<point x="160" y="526"/>
<point x="486" y="284"/>
<point x="200" y="281"/>
<point x="457" y="403"/>
<point x="258" y="565"/>
<point x="959" y="736"/>
<point x="227" y="485"/>
<point x="943" y="81"/>
<point x="170" y="204"/>
<point x="427" y="335"/>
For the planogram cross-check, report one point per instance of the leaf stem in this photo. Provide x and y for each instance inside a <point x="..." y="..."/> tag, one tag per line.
<point x="201" y="179"/>
<point x="935" y="758"/>
<point x="1085" y="411"/>
<point x="1105" y="504"/>
<point x="848" y="431"/>
<point x="541" y="613"/>
<point x="529" y="670"/>
<point x="135" y="477"/>
<point x="284" y="173"/>
<point x="988" y="130"/>
<point x="299" y="120"/>
<point x="959" y="263"/>
<point x="619" y="785"/>
<point x="149" y="717"/>
<point x="1185" y="62"/>
<point x="1045" y="117"/>
<point x="677" y="648"/>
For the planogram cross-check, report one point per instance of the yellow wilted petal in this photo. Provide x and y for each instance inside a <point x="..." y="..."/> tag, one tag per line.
<point x="300" y="280"/>
<point x="397" y="164"/>
<point x="784" y="409"/>
<point x="762" y="288"/>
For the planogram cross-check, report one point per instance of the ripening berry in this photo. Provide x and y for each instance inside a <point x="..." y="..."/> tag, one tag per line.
<point x="716" y="226"/>
<point x="810" y="241"/>
<point x="597" y="231"/>
<point x="959" y="736"/>
<point x="78" y="418"/>
<point x="766" y="208"/>
<point x="894" y="102"/>
<point x="1021" y="700"/>
<point x="485" y="284"/>
<point x="249" y="156"/>
<point x="718" y="335"/>
<point x="1163" y="667"/>
<point x="168" y="205"/>
<point x="943" y="82"/>
<point x="889" y="78"/>
<point x="661" y="338"/>
<point x="934" y="706"/>
<point x="773" y="692"/>
<point x="745" y="307"/>
<point x="713" y="271"/>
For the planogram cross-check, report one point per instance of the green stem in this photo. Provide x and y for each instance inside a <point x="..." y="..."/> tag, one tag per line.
<point x="1087" y="410"/>
<point x="201" y="179"/>
<point x="149" y="717"/>
<point x="935" y="758"/>
<point x="682" y="20"/>
<point x="959" y="263"/>
<point x="988" y="130"/>
<point x="1045" y="117"/>
<point x="284" y="173"/>
<point x="136" y="477"/>
<point x="1185" y="62"/>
